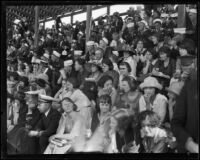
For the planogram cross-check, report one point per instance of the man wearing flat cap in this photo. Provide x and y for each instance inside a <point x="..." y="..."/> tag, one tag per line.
<point x="48" y="123"/>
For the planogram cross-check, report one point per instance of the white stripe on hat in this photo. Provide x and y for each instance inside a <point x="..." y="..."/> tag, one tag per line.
<point x="68" y="63"/>
<point x="157" y="20"/>
<point x="78" y="52"/>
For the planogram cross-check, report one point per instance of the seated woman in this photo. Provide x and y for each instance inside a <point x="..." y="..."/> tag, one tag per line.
<point x="154" y="138"/>
<point x="129" y="95"/>
<point x="101" y="112"/>
<point x="70" y="89"/>
<point x="152" y="99"/>
<point x="150" y="60"/>
<point x="71" y="127"/>
<point x="125" y="70"/>
<point x="96" y="71"/>
<point x="105" y="86"/>
<point x="108" y="69"/>
<point x="99" y="141"/>
<point x="124" y="133"/>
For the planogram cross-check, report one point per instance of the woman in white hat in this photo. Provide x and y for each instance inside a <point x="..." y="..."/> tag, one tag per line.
<point x="152" y="99"/>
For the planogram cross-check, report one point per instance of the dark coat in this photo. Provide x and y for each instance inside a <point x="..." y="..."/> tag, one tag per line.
<point x="49" y="126"/>
<point x="185" y="121"/>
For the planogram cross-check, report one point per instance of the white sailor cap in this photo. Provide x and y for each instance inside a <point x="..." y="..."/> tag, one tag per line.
<point x="115" y="53"/>
<point x="143" y="21"/>
<point x="64" y="53"/>
<point x="68" y="63"/>
<point x="174" y="15"/>
<point x="81" y="33"/>
<point x="157" y="20"/>
<point x="130" y="25"/>
<point x="46" y="55"/>
<point x="56" y="54"/>
<point x="105" y="40"/>
<point x="78" y="52"/>
<point x="193" y="10"/>
<point x="163" y="15"/>
<point x="180" y="30"/>
<point x="90" y="43"/>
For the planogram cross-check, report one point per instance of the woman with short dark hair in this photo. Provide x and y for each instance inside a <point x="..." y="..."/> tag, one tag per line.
<point x="71" y="127"/>
<point x="105" y="86"/>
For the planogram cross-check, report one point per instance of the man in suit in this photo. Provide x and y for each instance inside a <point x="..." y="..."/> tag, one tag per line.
<point x="48" y="123"/>
<point x="185" y="123"/>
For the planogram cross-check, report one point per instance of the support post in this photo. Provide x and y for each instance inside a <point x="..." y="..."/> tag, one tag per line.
<point x="89" y="14"/>
<point x="36" y="25"/>
<point x="181" y="16"/>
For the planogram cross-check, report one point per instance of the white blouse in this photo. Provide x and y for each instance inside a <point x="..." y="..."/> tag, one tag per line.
<point x="159" y="105"/>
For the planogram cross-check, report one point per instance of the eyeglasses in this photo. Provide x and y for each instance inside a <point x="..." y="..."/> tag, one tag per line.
<point x="122" y="68"/>
<point x="148" y="125"/>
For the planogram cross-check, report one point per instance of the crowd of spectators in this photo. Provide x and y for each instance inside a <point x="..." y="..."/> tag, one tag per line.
<point x="130" y="89"/>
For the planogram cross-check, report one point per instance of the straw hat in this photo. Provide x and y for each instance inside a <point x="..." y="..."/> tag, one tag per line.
<point x="150" y="82"/>
<point x="175" y="87"/>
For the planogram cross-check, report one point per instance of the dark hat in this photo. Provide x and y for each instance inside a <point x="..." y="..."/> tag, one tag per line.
<point x="187" y="44"/>
<point x="24" y="79"/>
<point x="40" y="82"/>
<point x="14" y="75"/>
<point x="20" y="95"/>
<point x="187" y="60"/>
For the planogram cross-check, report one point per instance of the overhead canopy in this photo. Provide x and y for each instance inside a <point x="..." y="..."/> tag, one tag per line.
<point x="45" y="13"/>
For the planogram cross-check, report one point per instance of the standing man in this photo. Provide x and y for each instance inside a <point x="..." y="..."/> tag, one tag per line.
<point x="48" y="123"/>
<point x="185" y="122"/>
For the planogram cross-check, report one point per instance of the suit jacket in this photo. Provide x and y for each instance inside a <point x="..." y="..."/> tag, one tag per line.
<point x="49" y="124"/>
<point x="185" y="119"/>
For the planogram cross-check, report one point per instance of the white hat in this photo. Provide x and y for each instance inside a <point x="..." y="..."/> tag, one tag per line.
<point x="56" y="54"/>
<point x="157" y="20"/>
<point x="130" y="25"/>
<point x="115" y="53"/>
<point x="90" y="43"/>
<point x="68" y="63"/>
<point x="48" y="36"/>
<point x="16" y="21"/>
<point x="64" y="52"/>
<point x="105" y="40"/>
<point x="164" y="15"/>
<point x="46" y="55"/>
<point x="33" y="92"/>
<point x="35" y="60"/>
<point x="180" y="30"/>
<point x="43" y="77"/>
<point x="175" y="87"/>
<point x="113" y="43"/>
<point x="143" y="21"/>
<point x="45" y="98"/>
<point x="78" y="52"/>
<point x="174" y="15"/>
<point x="150" y="82"/>
<point x="81" y="33"/>
<point x="193" y="10"/>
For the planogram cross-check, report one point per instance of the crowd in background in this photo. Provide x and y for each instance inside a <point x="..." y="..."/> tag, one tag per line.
<point x="132" y="88"/>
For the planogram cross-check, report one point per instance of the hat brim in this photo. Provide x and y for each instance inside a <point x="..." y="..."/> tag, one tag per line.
<point x="143" y="85"/>
<point x="169" y="90"/>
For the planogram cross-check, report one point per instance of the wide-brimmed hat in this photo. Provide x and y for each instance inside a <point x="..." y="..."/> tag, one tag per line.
<point x="150" y="82"/>
<point x="175" y="87"/>
<point x="43" y="77"/>
<point x="46" y="99"/>
<point x="187" y="60"/>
